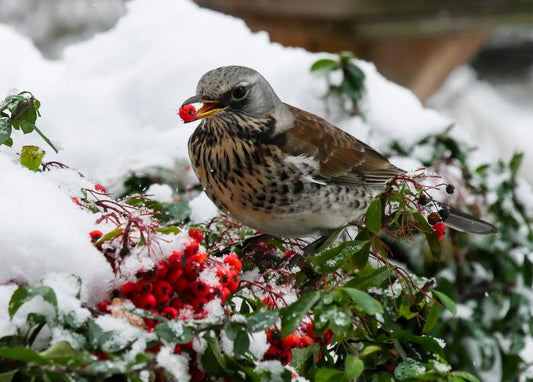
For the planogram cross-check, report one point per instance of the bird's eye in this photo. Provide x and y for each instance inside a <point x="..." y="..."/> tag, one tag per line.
<point x="239" y="92"/>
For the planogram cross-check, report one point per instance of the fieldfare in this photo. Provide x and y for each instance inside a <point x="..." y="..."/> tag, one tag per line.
<point x="281" y="170"/>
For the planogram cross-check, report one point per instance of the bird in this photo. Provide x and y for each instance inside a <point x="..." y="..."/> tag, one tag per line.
<point x="281" y="170"/>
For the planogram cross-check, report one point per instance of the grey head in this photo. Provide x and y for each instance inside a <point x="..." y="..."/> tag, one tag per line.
<point x="239" y="90"/>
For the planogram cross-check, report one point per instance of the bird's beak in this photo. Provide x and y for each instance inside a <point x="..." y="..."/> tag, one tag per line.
<point x="208" y="108"/>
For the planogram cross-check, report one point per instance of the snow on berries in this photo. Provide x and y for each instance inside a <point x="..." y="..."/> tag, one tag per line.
<point x="187" y="113"/>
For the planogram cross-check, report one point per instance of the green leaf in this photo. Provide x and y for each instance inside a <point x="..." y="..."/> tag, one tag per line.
<point x="25" y="293"/>
<point x="169" y="230"/>
<point x="355" y="75"/>
<point x="353" y="366"/>
<point x="62" y="353"/>
<point x="5" y="130"/>
<point x="325" y="64"/>
<point x="373" y="216"/>
<point x="446" y="301"/>
<point x="515" y="163"/>
<point x="364" y="301"/>
<point x="431" y="237"/>
<point x="109" y="236"/>
<point x="293" y="314"/>
<point x="174" y="332"/>
<point x="262" y="320"/>
<point x="241" y="343"/>
<point x="213" y="361"/>
<point x="432" y="318"/>
<point x="364" y="280"/>
<point x="8" y="375"/>
<point x="329" y="375"/>
<point x="332" y="259"/>
<point x="26" y="126"/>
<point x="465" y="376"/>
<point x="31" y="157"/>
<point x="425" y="341"/>
<point x="19" y="353"/>
<point x="527" y="272"/>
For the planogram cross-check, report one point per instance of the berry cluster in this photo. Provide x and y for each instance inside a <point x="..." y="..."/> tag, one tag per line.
<point x="281" y="348"/>
<point x="176" y="288"/>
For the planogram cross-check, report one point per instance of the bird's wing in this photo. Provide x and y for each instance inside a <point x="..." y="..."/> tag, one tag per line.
<point x="342" y="158"/>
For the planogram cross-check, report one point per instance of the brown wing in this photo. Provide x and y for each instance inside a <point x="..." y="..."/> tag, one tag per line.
<point x="342" y="158"/>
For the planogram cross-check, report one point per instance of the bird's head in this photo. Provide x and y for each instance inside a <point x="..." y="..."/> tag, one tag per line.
<point x="240" y="91"/>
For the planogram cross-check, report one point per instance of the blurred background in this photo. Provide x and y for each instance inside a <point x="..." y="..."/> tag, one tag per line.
<point x="416" y="43"/>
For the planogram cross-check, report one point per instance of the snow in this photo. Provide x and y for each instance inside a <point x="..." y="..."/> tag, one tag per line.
<point x="174" y="363"/>
<point x="110" y="103"/>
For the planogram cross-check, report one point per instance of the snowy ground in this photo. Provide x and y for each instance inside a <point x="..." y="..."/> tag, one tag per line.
<point x="110" y="103"/>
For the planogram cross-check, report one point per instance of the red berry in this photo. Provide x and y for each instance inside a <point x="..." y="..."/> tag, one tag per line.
<point x="162" y="288"/>
<point x="196" y="234"/>
<point x="273" y="336"/>
<point x="146" y="301"/>
<point x="143" y="286"/>
<point x="290" y="342"/>
<point x="99" y="188"/>
<point x="187" y="113"/>
<point x="192" y="248"/>
<point x="169" y="312"/>
<point x="177" y="303"/>
<point x="181" y="284"/>
<point x="199" y="288"/>
<point x="233" y="261"/>
<point x="154" y="349"/>
<point x="177" y="260"/>
<point x="272" y="352"/>
<point x="268" y="301"/>
<point x="192" y="270"/>
<point x="199" y="303"/>
<point x="174" y="275"/>
<point x="440" y="230"/>
<point x="223" y="275"/>
<point x="128" y="288"/>
<point x="96" y="235"/>
<point x="75" y="200"/>
<point x="103" y="306"/>
<point x="226" y="292"/>
<point x="161" y="269"/>
<point x="285" y="357"/>
<point x="305" y="341"/>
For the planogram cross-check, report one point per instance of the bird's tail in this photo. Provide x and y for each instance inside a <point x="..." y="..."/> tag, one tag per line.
<point x="462" y="221"/>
